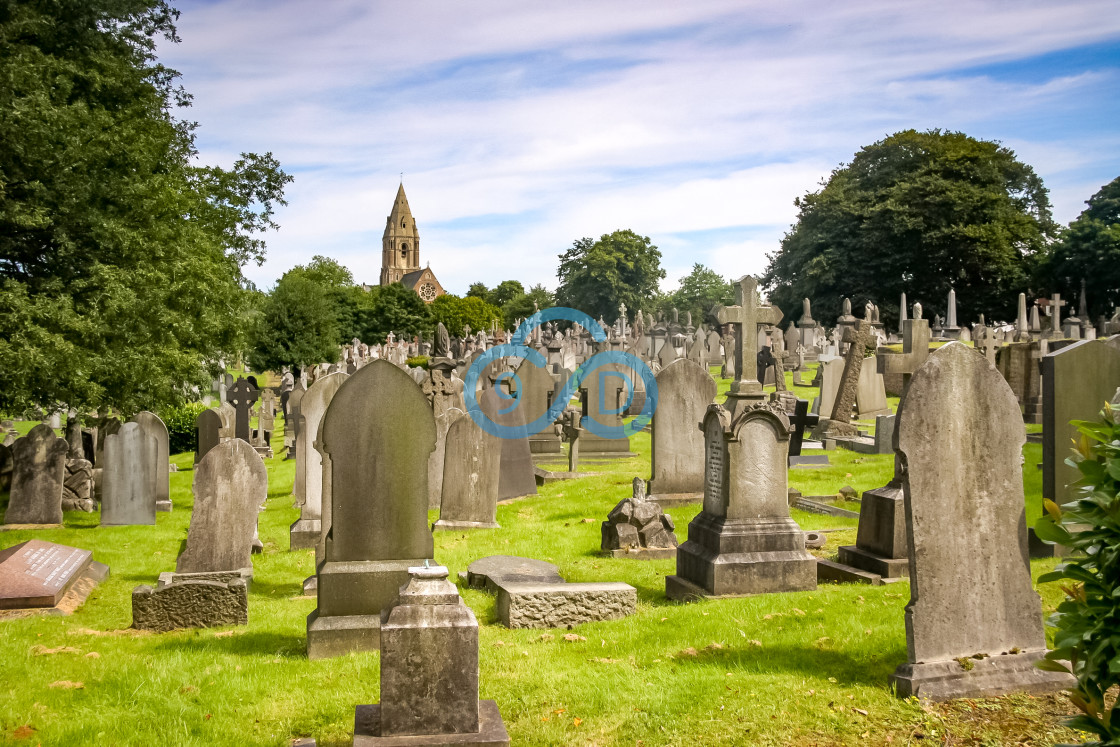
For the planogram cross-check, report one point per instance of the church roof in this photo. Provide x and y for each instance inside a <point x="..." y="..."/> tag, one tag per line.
<point x="400" y="210"/>
<point x="410" y="279"/>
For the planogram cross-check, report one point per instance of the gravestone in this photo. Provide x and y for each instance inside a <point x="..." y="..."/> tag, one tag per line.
<point x="535" y="388"/>
<point x="129" y="477"/>
<point x="871" y="392"/>
<point x="1076" y="382"/>
<point x="241" y="396"/>
<point x="604" y="393"/>
<point x="209" y="585"/>
<point x="37" y="574"/>
<point x="379" y="514"/>
<point x="515" y="473"/>
<point x="831" y="373"/>
<point x="154" y="427"/>
<point x="798" y="422"/>
<point x="744" y="541"/>
<point x="881" y="552"/>
<point x="304" y="532"/>
<point x="859" y="339"/>
<point x="638" y="528"/>
<point x="429" y="672"/>
<point x="38" y="475"/>
<point x="684" y="390"/>
<point x="470" y="477"/>
<point x="974" y="621"/>
<point x="208" y="426"/>
<point x="444" y="393"/>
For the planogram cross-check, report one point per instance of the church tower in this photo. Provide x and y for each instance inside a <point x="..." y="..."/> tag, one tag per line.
<point x="400" y="253"/>
<point x="400" y="244"/>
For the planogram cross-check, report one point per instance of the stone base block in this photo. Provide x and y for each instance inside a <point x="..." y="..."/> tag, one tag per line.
<point x="452" y="525"/>
<point x="492" y="730"/>
<point x="644" y="553"/>
<point x="863" y="560"/>
<point x="304" y="534"/>
<point x="163" y="507"/>
<point x="978" y="678"/>
<point x="310" y="586"/>
<point x="676" y="499"/>
<point x="741" y="574"/>
<point x="545" y="446"/>
<point x="192" y="600"/>
<point x="529" y="605"/>
<point x="20" y="527"/>
<point x="829" y="571"/>
<point x="339" y="635"/>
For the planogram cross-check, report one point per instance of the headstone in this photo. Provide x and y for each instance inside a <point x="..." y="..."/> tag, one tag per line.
<point x="38" y="474"/>
<point x="604" y="392"/>
<point x="831" y="372"/>
<point x="638" y="528"/>
<point x="974" y="621"/>
<point x="744" y="541"/>
<point x="470" y="477"/>
<point x="154" y="427"/>
<point x="429" y="672"/>
<point x="951" y="330"/>
<point x="379" y="514"/>
<point x="871" y="391"/>
<point x="859" y="340"/>
<point x="77" y="489"/>
<point x="685" y="390"/>
<point x="515" y="473"/>
<point x="208" y="426"/>
<point x="129" y="477"/>
<point x="1076" y="382"/>
<point x="534" y="389"/>
<point x="241" y="396"/>
<point x="304" y="532"/>
<point x="798" y="422"/>
<point x="39" y="574"/>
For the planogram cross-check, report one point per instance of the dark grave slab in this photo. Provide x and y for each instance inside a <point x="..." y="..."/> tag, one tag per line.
<point x="809" y="461"/>
<point x="37" y="574"/>
<point x="489" y="572"/>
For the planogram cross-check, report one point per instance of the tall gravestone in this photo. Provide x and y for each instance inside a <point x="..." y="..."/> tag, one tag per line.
<point x="38" y="473"/>
<point x="535" y="389"/>
<point x="1076" y="382"/>
<point x="444" y="393"/>
<point x="604" y="392"/>
<point x="154" y="427"/>
<point x="744" y="541"/>
<point x="377" y="434"/>
<point x="129" y="477"/>
<point x="241" y="397"/>
<point x="304" y="532"/>
<point x="684" y="390"/>
<point x="974" y="621"/>
<point x="470" y="477"/>
<point x="208" y="426"/>
<point x="291" y="432"/>
<point x="515" y="475"/>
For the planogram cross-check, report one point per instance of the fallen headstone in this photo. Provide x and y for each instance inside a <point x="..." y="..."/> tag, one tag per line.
<point x="45" y="576"/>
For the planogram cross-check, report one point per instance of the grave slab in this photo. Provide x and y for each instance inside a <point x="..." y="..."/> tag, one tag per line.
<point x="37" y="574"/>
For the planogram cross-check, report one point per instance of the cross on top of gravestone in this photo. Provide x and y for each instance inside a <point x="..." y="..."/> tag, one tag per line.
<point x="242" y="395"/>
<point x="745" y="318"/>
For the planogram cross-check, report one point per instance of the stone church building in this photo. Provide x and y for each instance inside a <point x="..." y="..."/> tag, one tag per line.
<point x="400" y="253"/>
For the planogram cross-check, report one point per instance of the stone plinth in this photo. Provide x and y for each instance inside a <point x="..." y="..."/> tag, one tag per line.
<point x="192" y="600"/>
<point x="531" y="605"/>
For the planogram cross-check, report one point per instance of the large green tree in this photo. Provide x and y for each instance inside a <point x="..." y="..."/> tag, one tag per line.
<point x="1089" y="250"/>
<point x="920" y="213"/>
<point x="393" y="308"/>
<point x="296" y="325"/>
<point x="596" y="276"/>
<point x="458" y="313"/>
<point x="523" y="306"/>
<point x="120" y="259"/>
<point x="700" y="291"/>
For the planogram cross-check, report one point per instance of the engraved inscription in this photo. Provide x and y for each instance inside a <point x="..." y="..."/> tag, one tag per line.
<point x="714" y="469"/>
<point x="52" y="565"/>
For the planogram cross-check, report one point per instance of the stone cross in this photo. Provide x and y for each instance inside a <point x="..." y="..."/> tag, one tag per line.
<point x="745" y="318"/>
<point x="572" y="431"/>
<point x="801" y="419"/>
<point x="1056" y="304"/>
<point x="242" y="395"/>
<point x="990" y="345"/>
<point x="860" y="341"/>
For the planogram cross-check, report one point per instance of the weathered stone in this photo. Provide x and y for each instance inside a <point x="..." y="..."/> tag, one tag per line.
<point x="492" y="571"/>
<point x="191" y="600"/>
<point x="470" y="477"/>
<point x="529" y="605"/>
<point x="871" y="391"/>
<point x="37" y="573"/>
<point x="377" y="434"/>
<point x="969" y="596"/>
<point x="208" y="426"/>
<point x="1076" y="382"/>
<point x="38" y="474"/>
<point x="305" y="531"/>
<point x="684" y="390"/>
<point x="129" y="477"/>
<point x="154" y="427"/>
<point x="637" y="527"/>
<point x="515" y="472"/>
<point x="230" y="484"/>
<point x="77" y="490"/>
<point x="241" y="396"/>
<point x="535" y="389"/>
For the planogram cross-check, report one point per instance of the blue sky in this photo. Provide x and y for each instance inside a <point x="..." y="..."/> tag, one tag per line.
<point x="523" y="126"/>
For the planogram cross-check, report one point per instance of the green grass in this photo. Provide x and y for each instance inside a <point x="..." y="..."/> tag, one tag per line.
<point x="770" y="670"/>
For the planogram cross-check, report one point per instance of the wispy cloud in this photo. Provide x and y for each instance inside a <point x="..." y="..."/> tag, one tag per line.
<point x="523" y="126"/>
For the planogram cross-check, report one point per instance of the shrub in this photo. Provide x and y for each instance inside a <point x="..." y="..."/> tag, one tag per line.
<point x="419" y="361"/>
<point x="181" y="434"/>
<point x="1088" y="620"/>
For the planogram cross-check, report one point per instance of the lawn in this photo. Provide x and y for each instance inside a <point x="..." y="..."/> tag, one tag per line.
<point x="801" y="668"/>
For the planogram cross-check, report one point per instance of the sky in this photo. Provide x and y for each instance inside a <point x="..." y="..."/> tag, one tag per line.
<point x="520" y="126"/>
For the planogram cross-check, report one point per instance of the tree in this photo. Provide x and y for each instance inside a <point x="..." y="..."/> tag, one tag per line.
<point x="478" y="290"/>
<point x="700" y="291"/>
<point x="120" y="260"/>
<point x="597" y="276"/>
<point x="394" y="308"/>
<point x="1089" y="250"/>
<point x="506" y="291"/>
<point x="523" y="306"/>
<point x="918" y="213"/>
<point x="297" y="325"/>
<point x="458" y="313"/>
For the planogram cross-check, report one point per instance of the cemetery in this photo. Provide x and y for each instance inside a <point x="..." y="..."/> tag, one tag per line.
<point x="854" y="484"/>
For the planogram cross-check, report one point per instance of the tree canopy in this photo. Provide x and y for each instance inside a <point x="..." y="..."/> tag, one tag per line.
<point x="1089" y="251"/>
<point x="920" y="213"/>
<point x="120" y="260"/>
<point x="700" y="291"/>
<point x="596" y="276"/>
<point x="296" y="325"/>
<point x="458" y="313"/>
